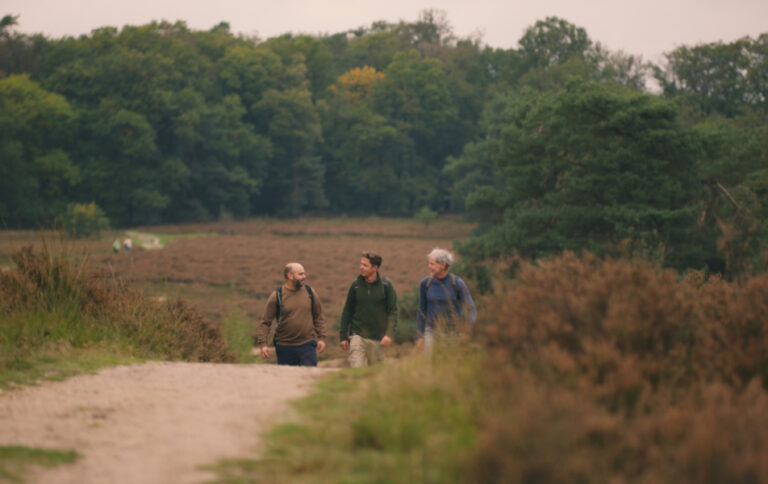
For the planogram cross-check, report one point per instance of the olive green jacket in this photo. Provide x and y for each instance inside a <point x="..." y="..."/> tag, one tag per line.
<point x="370" y="310"/>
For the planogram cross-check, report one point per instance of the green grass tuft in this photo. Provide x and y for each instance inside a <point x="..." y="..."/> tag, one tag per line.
<point x="15" y="460"/>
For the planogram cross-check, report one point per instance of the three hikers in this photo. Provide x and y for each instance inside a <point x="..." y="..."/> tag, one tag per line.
<point x="370" y="315"/>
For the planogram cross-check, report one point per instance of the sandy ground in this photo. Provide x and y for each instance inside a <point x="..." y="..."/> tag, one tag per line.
<point x="151" y="423"/>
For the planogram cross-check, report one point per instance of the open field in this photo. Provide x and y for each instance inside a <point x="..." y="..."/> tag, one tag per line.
<point x="231" y="267"/>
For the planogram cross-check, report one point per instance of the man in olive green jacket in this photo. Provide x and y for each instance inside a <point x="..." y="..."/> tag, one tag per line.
<point x="369" y="318"/>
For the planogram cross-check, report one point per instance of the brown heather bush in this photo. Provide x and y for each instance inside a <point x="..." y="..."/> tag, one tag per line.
<point x="614" y="371"/>
<point x="68" y="303"/>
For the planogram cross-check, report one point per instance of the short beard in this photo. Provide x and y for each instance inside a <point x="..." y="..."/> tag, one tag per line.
<point x="296" y="284"/>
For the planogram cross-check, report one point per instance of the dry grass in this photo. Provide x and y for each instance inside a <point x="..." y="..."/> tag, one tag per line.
<point x="52" y="305"/>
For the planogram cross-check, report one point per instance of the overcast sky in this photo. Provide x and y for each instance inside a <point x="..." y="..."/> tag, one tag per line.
<point x="648" y="28"/>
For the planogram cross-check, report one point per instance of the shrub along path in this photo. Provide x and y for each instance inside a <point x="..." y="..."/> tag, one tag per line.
<point x="157" y="422"/>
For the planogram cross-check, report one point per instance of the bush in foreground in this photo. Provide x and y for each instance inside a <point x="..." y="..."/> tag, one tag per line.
<point x="613" y="371"/>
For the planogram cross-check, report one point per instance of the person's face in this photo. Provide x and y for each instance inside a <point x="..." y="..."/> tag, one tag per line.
<point x="435" y="268"/>
<point x="297" y="276"/>
<point x="366" y="269"/>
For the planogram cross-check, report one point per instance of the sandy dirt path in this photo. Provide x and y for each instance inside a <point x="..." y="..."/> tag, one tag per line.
<point x="151" y="423"/>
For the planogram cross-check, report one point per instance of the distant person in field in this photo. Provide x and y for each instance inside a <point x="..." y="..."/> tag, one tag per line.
<point x="127" y="244"/>
<point x="369" y="318"/>
<point x="300" y="328"/>
<point x="116" y="246"/>
<point x="445" y="304"/>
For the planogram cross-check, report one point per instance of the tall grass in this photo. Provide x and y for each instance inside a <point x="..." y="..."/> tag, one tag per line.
<point x="53" y="307"/>
<point x="613" y="371"/>
<point x="412" y="421"/>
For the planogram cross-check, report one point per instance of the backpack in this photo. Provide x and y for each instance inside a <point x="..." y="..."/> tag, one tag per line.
<point x="385" y="285"/>
<point x="453" y="283"/>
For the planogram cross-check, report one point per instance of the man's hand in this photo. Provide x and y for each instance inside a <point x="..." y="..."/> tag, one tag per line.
<point x="320" y="346"/>
<point x="345" y="345"/>
<point x="386" y="341"/>
<point x="265" y="352"/>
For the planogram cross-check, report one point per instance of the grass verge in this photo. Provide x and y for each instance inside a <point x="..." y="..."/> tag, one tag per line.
<point x="56" y="362"/>
<point x="414" y="420"/>
<point x="15" y="460"/>
<point x="238" y="333"/>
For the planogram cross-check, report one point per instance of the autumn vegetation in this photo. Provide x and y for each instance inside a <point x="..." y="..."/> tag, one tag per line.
<point x="614" y="370"/>
<point x="55" y="306"/>
<point x="614" y="238"/>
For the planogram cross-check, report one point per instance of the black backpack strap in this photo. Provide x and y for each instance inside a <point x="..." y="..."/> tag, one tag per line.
<point x="278" y="302"/>
<point x="353" y="302"/>
<point x="385" y="284"/>
<point x="311" y="301"/>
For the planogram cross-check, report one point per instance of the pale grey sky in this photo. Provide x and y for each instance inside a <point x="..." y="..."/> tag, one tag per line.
<point x="648" y="28"/>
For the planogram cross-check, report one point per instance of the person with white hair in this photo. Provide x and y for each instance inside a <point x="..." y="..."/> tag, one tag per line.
<point x="444" y="301"/>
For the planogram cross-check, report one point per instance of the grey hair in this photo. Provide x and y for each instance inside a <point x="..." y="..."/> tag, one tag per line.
<point x="441" y="256"/>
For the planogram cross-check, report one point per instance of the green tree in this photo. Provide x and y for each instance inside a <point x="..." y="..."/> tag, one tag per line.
<point x="593" y="168"/>
<point x="81" y="220"/>
<point x="553" y="41"/>
<point x="369" y="161"/>
<point x="310" y="59"/>
<point x="734" y="172"/>
<point x="36" y="175"/>
<point x="721" y="78"/>
<point x="414" y="94"/>
<point x="224" y="159"/>
<point x="295" y="173"/>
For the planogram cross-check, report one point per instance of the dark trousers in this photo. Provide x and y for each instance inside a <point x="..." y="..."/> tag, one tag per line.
<point x="302" y="355"/>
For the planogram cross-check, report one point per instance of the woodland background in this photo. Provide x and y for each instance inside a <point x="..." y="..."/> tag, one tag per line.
<point x="557" y="144"/>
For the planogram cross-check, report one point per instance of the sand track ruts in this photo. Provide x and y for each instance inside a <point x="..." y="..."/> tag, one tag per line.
<point x="156" y="422"/>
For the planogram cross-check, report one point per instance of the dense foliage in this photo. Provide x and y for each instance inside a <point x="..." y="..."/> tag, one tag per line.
<point x="614" y="371"/>
<point x="553" y="145"/>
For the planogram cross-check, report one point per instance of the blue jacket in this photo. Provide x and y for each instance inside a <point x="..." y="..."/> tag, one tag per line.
<point x="442" y="301"/>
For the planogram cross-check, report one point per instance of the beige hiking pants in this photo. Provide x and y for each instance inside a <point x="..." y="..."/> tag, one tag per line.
<point x="363" y="351"/>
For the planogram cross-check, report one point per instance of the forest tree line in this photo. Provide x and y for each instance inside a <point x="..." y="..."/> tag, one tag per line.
<point x="556" y="144"/>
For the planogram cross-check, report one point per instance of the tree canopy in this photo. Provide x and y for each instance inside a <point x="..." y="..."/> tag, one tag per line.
<point x="551" y="145"/>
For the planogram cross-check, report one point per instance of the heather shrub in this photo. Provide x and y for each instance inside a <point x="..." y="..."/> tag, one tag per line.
<point x="614" y="370"/>
<point x="52" y="300"/>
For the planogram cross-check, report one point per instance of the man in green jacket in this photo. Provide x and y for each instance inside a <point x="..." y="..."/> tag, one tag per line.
<point x="369" y="318"/>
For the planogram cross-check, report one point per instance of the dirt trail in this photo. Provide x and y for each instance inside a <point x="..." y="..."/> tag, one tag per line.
<point x="151" y="423"/>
